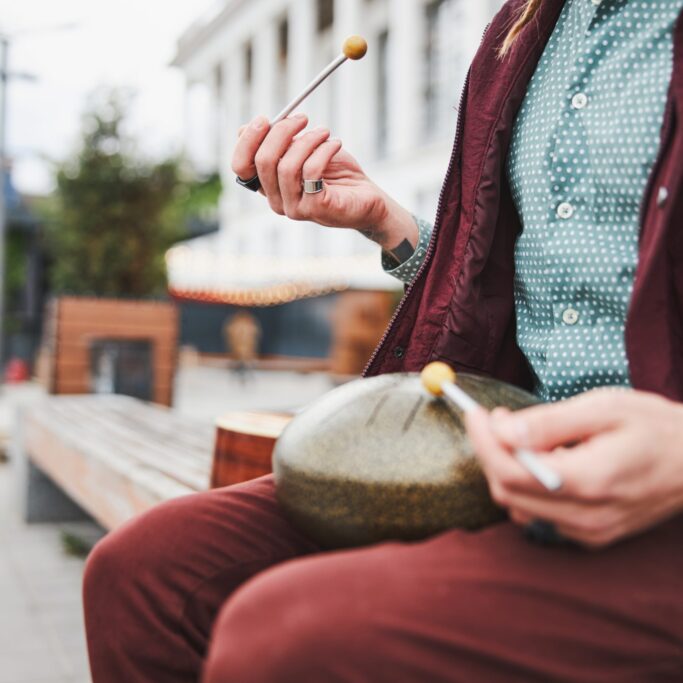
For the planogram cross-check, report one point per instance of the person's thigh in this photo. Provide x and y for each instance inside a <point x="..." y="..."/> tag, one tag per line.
<point x="487" y="607"/>
<point x="153" y="588"/>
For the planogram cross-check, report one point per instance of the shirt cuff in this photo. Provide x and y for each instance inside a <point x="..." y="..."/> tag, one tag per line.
<point x="407" y="271"/>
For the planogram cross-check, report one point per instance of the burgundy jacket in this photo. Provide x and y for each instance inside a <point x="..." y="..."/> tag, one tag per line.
<point x="460" y="308"/>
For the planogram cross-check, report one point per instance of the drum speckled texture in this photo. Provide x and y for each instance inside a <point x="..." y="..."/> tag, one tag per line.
<point x="380" y="459"/>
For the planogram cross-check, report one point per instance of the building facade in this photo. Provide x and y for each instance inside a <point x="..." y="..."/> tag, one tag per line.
<point x="395" y="111"/>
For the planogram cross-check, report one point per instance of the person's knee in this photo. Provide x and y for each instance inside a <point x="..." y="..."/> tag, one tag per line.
<point x="285" y="625"/>
<point x="133" y="557"/>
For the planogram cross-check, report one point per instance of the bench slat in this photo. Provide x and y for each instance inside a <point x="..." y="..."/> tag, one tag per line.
<point x="106" y="446"/>
<point x="117" y="456"/>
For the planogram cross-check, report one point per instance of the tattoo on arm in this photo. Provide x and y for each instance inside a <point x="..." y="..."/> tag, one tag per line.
<point x="402" y="252"/>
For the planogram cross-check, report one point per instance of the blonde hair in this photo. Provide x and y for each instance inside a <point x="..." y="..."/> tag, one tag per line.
<point x="525" y="15"/>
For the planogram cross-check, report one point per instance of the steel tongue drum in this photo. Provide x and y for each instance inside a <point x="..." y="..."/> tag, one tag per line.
<point x="383" y="458"/>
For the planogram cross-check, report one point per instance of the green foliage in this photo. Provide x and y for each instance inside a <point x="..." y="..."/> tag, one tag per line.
<point x="75" y="546"/>
<point x="195" y="204"/>
<point x="15" y="276"/>
<point x="199" y="198"/>
<point x="115" y="214"/>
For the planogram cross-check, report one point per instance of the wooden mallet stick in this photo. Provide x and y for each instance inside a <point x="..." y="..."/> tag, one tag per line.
<point x="439" y="380"/>
<point x="354" y="48"/>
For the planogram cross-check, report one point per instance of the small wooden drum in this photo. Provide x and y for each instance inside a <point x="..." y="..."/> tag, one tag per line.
<point x="380" y="459"/>
<point x="244" y="446"/>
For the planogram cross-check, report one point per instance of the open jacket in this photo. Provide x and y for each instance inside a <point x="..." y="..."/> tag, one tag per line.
<point x="460" y="307"/>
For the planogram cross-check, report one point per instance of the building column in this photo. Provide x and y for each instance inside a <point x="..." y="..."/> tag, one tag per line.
<point x="476" y="15"/>
<point x="302" y="38"/>
<point x="218" y="103"/>
<point x="233" y="93"/>
<point x="406" y="51"/>
<point x="349" y="82"/>
<point x="265" y="69"/>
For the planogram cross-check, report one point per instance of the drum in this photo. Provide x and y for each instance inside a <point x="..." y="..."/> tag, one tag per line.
<point x="380" y="459"/>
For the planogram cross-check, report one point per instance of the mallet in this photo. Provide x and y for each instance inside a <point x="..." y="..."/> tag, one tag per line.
<point x="354" y="48"/>
<point x="439" y="379"/>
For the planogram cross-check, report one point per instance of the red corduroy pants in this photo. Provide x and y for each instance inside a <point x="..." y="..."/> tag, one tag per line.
<point x="219" y="587"/>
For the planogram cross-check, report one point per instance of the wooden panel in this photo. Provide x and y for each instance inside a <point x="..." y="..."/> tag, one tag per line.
<point x="358" y="322"/>
<point x="117" y="456"/>
<point x="244" y="446"/>
<point x="76" y="322"/>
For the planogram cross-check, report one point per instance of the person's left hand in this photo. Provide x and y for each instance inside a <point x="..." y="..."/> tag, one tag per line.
<point x="619" y="452"/>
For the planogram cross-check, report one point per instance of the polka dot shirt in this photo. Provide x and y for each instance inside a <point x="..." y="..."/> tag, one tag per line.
<point x="584" y="144"/>
<point x="583" y="147"/>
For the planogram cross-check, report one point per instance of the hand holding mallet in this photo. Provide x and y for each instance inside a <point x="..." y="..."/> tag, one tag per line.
<point x="439" y="380"/>
<point x="354" y="48"/>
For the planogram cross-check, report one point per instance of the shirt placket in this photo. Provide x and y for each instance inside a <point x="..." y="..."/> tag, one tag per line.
<point x="567" y="190"/>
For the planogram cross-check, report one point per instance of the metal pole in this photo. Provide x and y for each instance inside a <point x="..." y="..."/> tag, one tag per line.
<point x="4" y="77"/>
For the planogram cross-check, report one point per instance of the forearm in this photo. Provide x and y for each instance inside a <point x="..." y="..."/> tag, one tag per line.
<point x="395" y="229"/>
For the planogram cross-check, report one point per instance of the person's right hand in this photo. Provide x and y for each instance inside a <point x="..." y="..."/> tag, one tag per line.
<point x="284" y="156"/>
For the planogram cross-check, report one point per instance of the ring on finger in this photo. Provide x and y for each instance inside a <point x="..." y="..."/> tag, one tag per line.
<point x="313" y="186"/>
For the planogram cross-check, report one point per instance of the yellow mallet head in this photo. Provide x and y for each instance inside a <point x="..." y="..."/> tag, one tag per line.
<point x="355" y="47"/>
<point x="434" y="375"/>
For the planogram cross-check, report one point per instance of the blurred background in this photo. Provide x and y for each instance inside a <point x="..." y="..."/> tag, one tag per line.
<point x="153" y="312"/>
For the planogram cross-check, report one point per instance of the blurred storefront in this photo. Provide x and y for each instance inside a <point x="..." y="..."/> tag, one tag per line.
<point x="26" y="264"/>
<point x="395" y="111"/>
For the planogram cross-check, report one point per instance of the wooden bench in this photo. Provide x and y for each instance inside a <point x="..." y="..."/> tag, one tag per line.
<point x="114" y="456"/>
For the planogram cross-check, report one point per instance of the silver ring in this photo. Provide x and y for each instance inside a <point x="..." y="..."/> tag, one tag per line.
<point x="313" y="186"/>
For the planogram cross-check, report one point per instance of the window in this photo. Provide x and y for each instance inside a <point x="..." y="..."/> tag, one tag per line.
<point x="282" y="59"/>
<point x="218" y="80"/>
<point x="247" y="77"/>
<point x="218" y="86"/>
<point x="248" y="64"/>
<point x="444" y="63"/>
<point x="325" y="15"/>
<point x="382" y="94"/>
<point x="283" y="39"/>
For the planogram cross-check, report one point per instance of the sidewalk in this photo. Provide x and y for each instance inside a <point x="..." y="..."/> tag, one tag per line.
<point x="41" y="627"/>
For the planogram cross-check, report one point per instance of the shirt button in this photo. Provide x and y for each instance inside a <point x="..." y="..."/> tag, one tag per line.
<point x="399" y="352"/>
<point x="565" y="210"/>
<point x="570" y="316"/>
<point x="580" y="100"/>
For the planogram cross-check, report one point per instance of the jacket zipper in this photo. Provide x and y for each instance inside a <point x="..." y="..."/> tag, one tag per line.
<point x="437" y="223"/>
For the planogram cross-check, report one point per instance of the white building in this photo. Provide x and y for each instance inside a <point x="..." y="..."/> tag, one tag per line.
<point x="395" y="111"/>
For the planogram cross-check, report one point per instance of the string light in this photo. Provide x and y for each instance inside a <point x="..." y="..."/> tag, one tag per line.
<point x="258" y="298"/>
<point x="212" y="275"/>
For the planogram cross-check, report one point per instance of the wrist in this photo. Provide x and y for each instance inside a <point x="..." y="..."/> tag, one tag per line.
<point x="395" y="226"/>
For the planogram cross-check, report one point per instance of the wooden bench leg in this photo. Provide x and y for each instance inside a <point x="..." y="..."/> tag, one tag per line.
<point x="40" y="498"/>
<point x="45" y="502"/>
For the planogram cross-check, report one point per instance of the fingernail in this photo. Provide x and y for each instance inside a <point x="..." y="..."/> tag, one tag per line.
<point x="260" y="123"/>
<point x="300" y="117"/>
<point x="318" y="129"/>
<point x="335" y="140"/>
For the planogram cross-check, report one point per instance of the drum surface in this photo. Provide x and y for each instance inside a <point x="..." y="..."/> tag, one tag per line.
<point x="380" y="459"/>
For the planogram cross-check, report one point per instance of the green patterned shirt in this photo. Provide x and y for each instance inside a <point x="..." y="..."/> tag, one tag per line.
<point x="584" y="144"/>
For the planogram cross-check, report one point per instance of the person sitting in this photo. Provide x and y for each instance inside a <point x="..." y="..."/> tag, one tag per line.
<point x="555" y="264"/>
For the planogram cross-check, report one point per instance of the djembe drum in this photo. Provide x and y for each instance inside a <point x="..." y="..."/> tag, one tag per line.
<point x="380" y="459"/>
